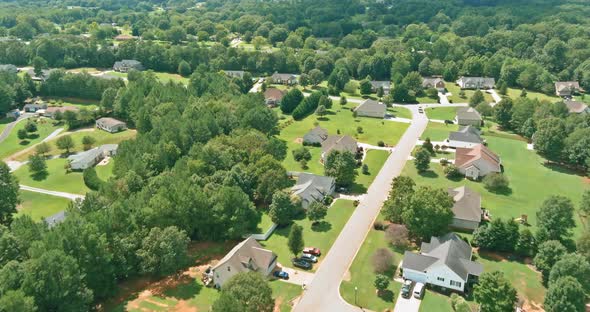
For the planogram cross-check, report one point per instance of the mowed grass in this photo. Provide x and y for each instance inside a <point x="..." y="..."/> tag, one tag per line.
<point x="435" y="302"/>
<point x="321" y="235"/>
<point x="106" y="171"/>
<point x="13" y="144"/>
<point x="531" y="182"/>
<point x="437" y="131"/>
<point x="441" y="113"/>
<point x="400" y="112"/>
<point x="455" y="98"/>
<point x="101" y="137"/>
<point x="374" y="160"/>
<point x="4" y="122"/>
<point x="264" y="224"/>
<point x="39" y="206"/>
<point x="68" y="101"/>
<point x="57" y="179"/>
<point x="515" y="93"/>
<point x="362" y="276"/>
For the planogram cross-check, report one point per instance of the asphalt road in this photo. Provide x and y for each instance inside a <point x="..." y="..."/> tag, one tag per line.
<point x="11" y="125"/>
<point x="323" y="293"/>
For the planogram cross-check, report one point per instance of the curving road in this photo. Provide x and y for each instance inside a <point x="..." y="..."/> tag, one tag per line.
<point x="11" y="125"/>
<point x="323" y="294"/>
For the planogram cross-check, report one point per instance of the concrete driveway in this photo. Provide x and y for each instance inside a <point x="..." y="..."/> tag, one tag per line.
<point x="298" y="277"/>
<point x="406" y="305"/>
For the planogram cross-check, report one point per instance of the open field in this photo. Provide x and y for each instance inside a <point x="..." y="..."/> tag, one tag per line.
<point x="321" y="235"/>
<point x="13" y="144"/>
<point x="515" y="93"/>
<point x="57" y="179"/>
<point x="441" y="113"/>
<point x="39" y="206"/>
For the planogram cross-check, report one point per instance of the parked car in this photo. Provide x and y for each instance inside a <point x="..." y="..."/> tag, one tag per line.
<point x="418" y="290"/>
<point x="309" y="257"/>
<point x="312" y="251"/>
<point x="421" y="111"/>
<point x="281" y="274"/>
<point x="300" y="263"/>
<point x="407" y="288"/>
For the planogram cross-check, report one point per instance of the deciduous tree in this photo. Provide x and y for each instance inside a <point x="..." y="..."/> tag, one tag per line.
<point x="494" y="293"/>
<point x="9" y="191"/>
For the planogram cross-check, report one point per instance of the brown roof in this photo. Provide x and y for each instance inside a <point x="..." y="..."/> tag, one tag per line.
<point x="247" y="253"/>
<point x="274" y="94"/>
<point x="339" y="143"/>
<point x="575" y="106"/>
<point x="465" y="156"/>
<point x="125" y="37"/>
<point x="467" y="203"/>
<point x="108" y="121"/>
<point x="53" y="109"/>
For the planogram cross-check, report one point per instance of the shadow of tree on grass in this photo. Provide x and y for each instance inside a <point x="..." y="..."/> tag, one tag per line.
<point x="322" y="226"/>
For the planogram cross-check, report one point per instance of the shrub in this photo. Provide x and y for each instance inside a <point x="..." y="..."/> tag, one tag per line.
<point x="303" y="164"/>
<point x="31" y="127"/>
<point x="365" y="169"/>
<point x="382" y="260"/>
<point x="444" y="162"/>
<point x="397" y="235"/>
<point x="495" y="182"/>
<point x="379" y="225"/>
<point x="381" y="144"/>
<point x="328" y="200"/>
<point x="451" y="172"/>
<point x="91" y="179"/>
<point x="301" y="153"/>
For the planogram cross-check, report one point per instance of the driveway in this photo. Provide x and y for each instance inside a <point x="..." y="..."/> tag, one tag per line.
<point x="443" y="98"/>
<point x="298" y="277"/>
<point x="323" y="294"/>
<point x="53" y="193"/>
<point x="497" y="98"/>
<point x="406" y="305"/>
<point x="11" y="125"/>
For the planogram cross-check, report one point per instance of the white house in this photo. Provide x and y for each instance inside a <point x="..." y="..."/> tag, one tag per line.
<point x="444" y="262"/>
<point x="476" y="83"/>
<point x="90" y="158"/>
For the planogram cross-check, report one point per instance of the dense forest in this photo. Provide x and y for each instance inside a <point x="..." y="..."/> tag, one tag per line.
<point x="206" y="158"/>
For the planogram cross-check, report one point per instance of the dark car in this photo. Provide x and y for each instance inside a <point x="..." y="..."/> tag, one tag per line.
<point x="407" y="289"/>
<point x="281" y="274"/>
<point x="300" y="263"/>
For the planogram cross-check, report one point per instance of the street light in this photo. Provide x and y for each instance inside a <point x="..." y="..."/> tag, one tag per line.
<point x="355" y="291"/>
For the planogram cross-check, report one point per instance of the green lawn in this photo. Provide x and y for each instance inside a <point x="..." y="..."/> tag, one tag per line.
<point x="57" y="178"/>
<point x="264" y="224"/>
<point x="441" y="113"/>
<point x="400" y="112"/>
<point x="4" y="122"/>
<point x="165" y="77"/>
<point x="437" y="131"/>
<point x="455" y="98"/>
<point x="101" y="137"/>
<point x="374" y="160"/>
<point x="106" y="171"/>
<point x="530" y="182"/>
<point x="426" y="100"/>
<point x="515" y="93"/>
<point x="12" y="144"/>
<point x="321" y="236"/>
<point x="39" y="206"/>
<point x="67" y="101"/>
<point x="362" y="276"/>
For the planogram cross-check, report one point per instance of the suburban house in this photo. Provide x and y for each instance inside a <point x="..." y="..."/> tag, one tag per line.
<point x="576" y="107"/>
<point x="433" y="82"/>
<point x="111" y="125"/>
<point x="125" y="37"/>
<point x="444" y="262"/>
<point x="15" y="113"/>
<point x="567" y="88"/>
<point x="273" y="96"/>
<point x="125" y="66"/>
<point x="315" y="136"/>
<point x="90" y="158"/>
<point x="52" y="110"/>
<point x="311" y="188"/>
<point x="477" y="161"/>
<point x="468" y="116"/>
<point x="371" y="108"/>
<point x="466" y="136"/>
<point x="244" y="257"/>
<point x="9" y="68"/>
<point x="386" y="85"/>
<point x="55" y="219"/>
<point x="42" y="76"/>
<point x="476" y="83"/>
<point x="342" y="143"/>
<point x="467" y="208"/>
<point x="34" y="107"/>
<point x="234" y="73"/>
<point x="286" y="79"/>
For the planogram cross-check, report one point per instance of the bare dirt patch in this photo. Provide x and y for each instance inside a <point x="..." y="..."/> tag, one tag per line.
<point x="299" y="140"/>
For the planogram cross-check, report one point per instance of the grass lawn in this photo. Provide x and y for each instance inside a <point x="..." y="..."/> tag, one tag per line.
<point x="106" y="171"/>
<point x="101" y="137"/>
<point x="12" y="144"/>
<point x="515" y="93"/>
<point x="165" y="77"/>
<point x="362" y="276"/>
<point x="321" y="236"/>
<point x="441" y="113"/>
<point x="265" y="223"/>
<point x="57" y="178"/>
<point x="39" y="206"/>
<point x="400" y="112"/>
<point x="437" y="131"/>
<point x="455" y="98"/>
<point x="80" y="103"/>
<point x="530" y="182"/>
<point x="374" y="160"/>
<point x="4" y="122"/>
<point x="435" y="302"/>
<point x="426" y="100"/>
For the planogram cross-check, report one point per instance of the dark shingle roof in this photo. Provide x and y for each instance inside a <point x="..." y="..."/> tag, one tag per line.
<point x="339" y="143"/>
<point x="466" y="134"/>
<point x="467" y="203"/>
<point x="468" y="113"/>
<point x="371" y="106"/>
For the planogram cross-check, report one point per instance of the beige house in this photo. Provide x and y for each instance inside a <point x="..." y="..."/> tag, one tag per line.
<point x="286" y="79"/>
<point x="468" y="116"/>
<point x="371" y="108"/>
<point x="477" y="162"/>
<point x="244" y="257"/>
<point x="111" y="125"/>
<point x="273" y="97"/>
<point x="338" y="143"/>
<point x="467" y="208"/>
<point x="433" y="82"/>
<point x="567" y="88"/>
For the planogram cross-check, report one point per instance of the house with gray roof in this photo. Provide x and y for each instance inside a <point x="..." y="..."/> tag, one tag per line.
<point x="111" y="125"/>
<point x="467" y="208"/>
<point x="315" y="136"/>
<point x="466" y="136"/>
<point x="339" y="143"/>
<point x="567" y="88"/>
<point x="371" y="108"/>
<point x="235" y="73"/>
<point x="476" y="83"/>
<point x="312" y="187"/>
<point x="34" y="107"/>
<point x="124" y="66"/>
<point x="245" y="257"/>
<point x="55" y="219"/>
<point x="286" y="79"/>
<point x="444" y="262"/>
<point x="433" y="82"/>
<point x="468" y="116"/>
<point x="90" y="158"/>
<point x="42" y="77"/>
<point x="376" y="84"/>
<point x="8" y="68"/>
<point x="576" y="107"/>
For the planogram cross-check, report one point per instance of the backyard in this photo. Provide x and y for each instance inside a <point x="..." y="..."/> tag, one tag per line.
<point x="13" y="144"/>
<point x="57" y="179"/>
<point x="515" y="93"/>
<point x="39" y="206"/>
<point x="441" y="113"/>
<point x="455" y="90"/>
<point x="321" y="235"/>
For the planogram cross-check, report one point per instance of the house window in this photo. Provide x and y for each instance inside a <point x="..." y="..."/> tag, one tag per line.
<point x="454" y="283"/>
<point x="440" y="279"/>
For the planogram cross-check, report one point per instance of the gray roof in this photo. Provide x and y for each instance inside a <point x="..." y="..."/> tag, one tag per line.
<point x="128" y="63"/>
<point x="312" y="187"/>
<point x="449" y="250"/>
<point x="56" y="218"/>
<point x="468" y="113"/>
<point x="339" y="143"/>
<point x="575" y="106"/>
<point x="466" y="134"/>
<point x="85" y="157"/>
<point x="372" y="106"/>
<point x="377" y="83"/>
<point x="478" y="80"/>
<point x="35" y="106"/>
<point x="283" y="76"/>
<point x="44" y="73"/>
<point x="110" y="122"/>
<point x="317" y="134"/>
<point x="8" y="68"/>
<point x="467" y="203"/>
<point x="431" y="81"/>
<point x="234" y="73"/>
<point x="247" y="255"/>
<point x="571" y="85"/>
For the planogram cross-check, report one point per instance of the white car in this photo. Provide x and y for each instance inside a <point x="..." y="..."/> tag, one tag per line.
<point x="309" y="258"/>
<point x="418" y="290"/>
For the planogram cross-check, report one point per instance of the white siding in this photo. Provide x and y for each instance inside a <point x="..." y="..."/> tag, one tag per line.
<point x="442" y="271"/>
<point x="415" y="276"/>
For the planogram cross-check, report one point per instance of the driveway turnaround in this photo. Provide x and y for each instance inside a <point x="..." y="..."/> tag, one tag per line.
<point x="323" y="294"/>
<point x="298" y="277"/>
